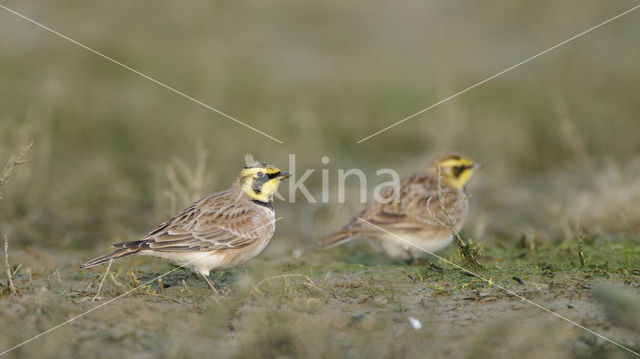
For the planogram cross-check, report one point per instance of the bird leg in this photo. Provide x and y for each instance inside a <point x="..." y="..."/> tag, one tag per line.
<point x="214" y="287"/>
<point x="434" y="266"/>
<point x="417" y="261"/>
<point x="424" y="261"/>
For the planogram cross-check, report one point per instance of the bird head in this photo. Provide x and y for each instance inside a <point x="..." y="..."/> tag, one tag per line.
<point x="260" y="180"/>
<point x="454" y="169"/>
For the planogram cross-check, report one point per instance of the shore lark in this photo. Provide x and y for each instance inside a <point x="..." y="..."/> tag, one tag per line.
<point x="414" y="211"/>
<point x="220" y="231"/>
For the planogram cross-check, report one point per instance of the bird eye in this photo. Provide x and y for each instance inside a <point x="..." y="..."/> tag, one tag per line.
<point x="457" y="170"/>
<point x="260" y="174"/>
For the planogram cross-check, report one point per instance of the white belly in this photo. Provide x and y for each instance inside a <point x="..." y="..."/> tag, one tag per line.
<point x="201" y="262"/>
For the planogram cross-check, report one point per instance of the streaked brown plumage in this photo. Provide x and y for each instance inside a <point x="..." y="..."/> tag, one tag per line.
<point x="413" y="211"/>
<point x="220" y="231"/>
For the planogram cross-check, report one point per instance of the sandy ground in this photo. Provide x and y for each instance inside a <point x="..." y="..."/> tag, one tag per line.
<point x="341" y="303"/>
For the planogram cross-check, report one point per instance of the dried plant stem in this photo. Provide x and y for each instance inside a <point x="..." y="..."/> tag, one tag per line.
<point x="113" y="278"/>
<point x="466" y="250"/>
<point x="187" y="184"/>
<point x="12" y="288"/>
<point x="104" y="276"/>
<point x="580" y="251"/>
<point x="16" y="160"/>
<point x="133" y="277"/>
<point x="185" y="287"/>
<point x="8" y="172"/>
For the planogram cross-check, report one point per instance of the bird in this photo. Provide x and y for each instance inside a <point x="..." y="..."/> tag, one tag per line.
<point x="219" y="231"/>
<point x="422" y="210"/>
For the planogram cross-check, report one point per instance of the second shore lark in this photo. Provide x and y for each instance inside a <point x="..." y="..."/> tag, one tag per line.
<point x="220" y="231"/>
<point x="414" y="211"/>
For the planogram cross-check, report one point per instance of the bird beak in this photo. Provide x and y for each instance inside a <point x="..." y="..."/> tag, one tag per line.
<point x="477" y="166"/>
<point x="284" y="175"/>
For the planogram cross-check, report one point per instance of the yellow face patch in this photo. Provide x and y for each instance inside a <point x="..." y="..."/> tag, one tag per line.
<point x="456" y="171"/>
<point x="261" y="182"/>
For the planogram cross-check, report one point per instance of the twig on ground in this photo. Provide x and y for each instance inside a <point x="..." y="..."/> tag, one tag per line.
<point x="12" y="288"/>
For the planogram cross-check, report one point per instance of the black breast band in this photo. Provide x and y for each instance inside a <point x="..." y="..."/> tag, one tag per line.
<point x="263" y="204"/>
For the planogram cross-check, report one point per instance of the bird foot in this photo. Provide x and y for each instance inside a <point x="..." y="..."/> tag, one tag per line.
<point x="214" y="287"/>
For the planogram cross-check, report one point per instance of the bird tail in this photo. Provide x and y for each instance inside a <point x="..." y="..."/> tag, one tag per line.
<point x="118" y="253"/>
<point x="336" y="238"/>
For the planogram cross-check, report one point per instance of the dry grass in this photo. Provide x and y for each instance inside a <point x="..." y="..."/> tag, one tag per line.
<point x="320" y="307"/>
<point x="8" y="173"/>
<point x="18" y="159"/>
<point x="467" y="249"/>
<point x="12" y="287"/>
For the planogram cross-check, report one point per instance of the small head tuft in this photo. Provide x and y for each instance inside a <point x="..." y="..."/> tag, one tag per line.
<point x="250" y="161"/>
<point x="260" y="180"/>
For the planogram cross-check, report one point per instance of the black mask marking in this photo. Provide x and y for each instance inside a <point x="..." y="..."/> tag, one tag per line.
<point x="457" y="170"/>
<point x="259" y="182"/>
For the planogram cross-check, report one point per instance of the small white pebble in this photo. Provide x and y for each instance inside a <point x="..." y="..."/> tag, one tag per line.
<point x="415" y="323"/>
<point x="297" y="253"/>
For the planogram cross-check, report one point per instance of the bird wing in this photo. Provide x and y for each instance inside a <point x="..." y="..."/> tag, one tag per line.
<point x="217" y="222"/>
<point x="415" y="205"/>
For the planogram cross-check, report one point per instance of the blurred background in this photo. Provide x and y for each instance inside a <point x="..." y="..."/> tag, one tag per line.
<point x="115" y="154"/>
